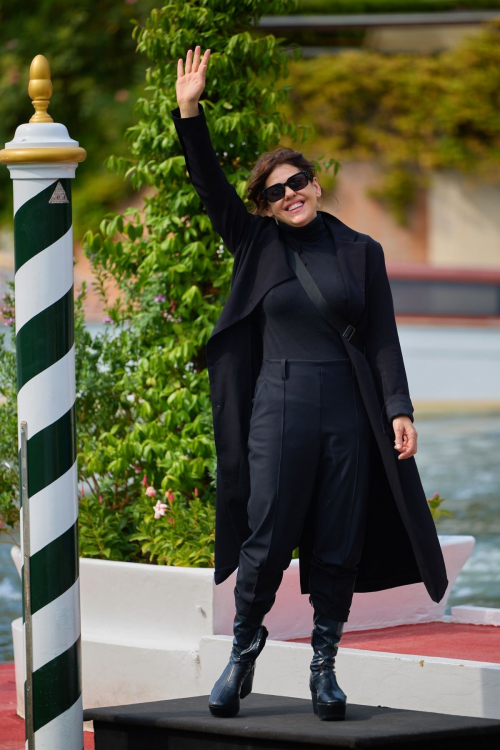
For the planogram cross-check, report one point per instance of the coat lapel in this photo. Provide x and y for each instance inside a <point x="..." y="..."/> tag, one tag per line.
<point x="351" y="255"/>
<point x="265" y="267"/>
<point x="262" y="269"/>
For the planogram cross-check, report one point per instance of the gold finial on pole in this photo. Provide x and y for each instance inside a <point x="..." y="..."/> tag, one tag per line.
<point x="50" y="144"/>
<point x="40" y="88"/>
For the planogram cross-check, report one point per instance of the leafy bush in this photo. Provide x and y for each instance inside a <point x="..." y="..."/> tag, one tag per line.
<point x="9" y="469"/>
<point x="391" y="6"/>
<point x="434" y="502"/>
<point x="143" y="399"/>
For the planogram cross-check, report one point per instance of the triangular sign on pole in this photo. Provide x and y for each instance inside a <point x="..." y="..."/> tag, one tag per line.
<point x="59" y="196"/>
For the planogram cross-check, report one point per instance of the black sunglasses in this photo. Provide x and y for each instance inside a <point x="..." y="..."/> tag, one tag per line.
<point x="276" y="192"/>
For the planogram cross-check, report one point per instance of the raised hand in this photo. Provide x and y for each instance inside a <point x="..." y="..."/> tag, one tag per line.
<point x="191" y="82"/>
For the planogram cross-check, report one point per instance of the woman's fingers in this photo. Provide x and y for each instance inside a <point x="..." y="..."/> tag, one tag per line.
<point x="196" y="59"/>
<point x="204" y="65"/>
<point x="398" y="434"/>
<point x="409" y="445"/>
<point x="405" y="437"/>
<point x="193" y="64"/>
<point x="189" y="61"/>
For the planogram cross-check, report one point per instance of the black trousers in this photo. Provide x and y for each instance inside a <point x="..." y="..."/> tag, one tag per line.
<point x="308" y="454"/>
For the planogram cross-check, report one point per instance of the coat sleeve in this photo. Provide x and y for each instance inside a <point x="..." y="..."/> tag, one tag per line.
<point x="226" y="210"/>
<point x="382" y="348"/>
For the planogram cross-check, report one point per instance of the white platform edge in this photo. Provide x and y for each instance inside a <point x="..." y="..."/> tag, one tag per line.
<point x="469" y="614"/>
<point x="371" y="678"/>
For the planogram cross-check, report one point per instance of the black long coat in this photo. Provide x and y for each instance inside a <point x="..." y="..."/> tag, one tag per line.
<point x="401" y="544"/>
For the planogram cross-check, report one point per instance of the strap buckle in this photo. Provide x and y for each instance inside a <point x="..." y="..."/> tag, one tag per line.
<point x="349" y="335"/>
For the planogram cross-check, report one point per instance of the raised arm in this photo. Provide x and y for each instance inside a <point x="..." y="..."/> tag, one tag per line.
<point x="225" y="208"/>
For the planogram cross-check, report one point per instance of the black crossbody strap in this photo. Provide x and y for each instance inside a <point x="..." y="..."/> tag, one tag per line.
<point x="346" y="330"/>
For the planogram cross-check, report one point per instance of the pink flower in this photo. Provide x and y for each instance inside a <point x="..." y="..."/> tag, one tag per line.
<point x="159" y="509"/>
<point x="100" y="498"/>
<point x="160" y="298"/>
<point x="196" y="491"/>
<point x="122" y="95"/>
<point x="144" y="480"/>
<point x="150" y="492"/>
<point x="107" y="320"/>
<point x="82" y="491"/>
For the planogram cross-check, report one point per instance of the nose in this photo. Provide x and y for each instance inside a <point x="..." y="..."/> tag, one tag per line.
<point x="289" y="193"/>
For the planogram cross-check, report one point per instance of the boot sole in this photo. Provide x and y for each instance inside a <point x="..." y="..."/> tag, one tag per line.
<point x="328" y="711"/>
<point x="227" y="712"/>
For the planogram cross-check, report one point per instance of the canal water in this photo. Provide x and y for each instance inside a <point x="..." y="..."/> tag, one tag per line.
<point x="457" y="457"/>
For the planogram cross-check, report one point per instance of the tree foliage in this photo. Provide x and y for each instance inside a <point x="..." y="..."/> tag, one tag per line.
<point x="174" y="276"/>
<point x="144" y="416"/>
<point x="413" y="114"/>
<point x="391" y="6"/>
<point x="96" y="75"/>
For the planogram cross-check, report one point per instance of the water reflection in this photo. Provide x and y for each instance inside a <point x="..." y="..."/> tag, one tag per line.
<point x="458" y="456"/>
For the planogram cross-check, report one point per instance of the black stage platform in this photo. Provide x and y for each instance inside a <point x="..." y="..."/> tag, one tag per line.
<point x="268" y="722"/>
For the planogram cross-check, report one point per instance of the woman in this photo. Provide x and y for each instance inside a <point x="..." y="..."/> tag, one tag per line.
<point x="304" y="417"/>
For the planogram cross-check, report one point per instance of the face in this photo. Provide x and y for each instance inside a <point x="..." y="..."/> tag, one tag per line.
<point x="307" y="198"/>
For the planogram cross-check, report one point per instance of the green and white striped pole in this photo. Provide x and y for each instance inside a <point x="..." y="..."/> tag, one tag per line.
<point x="42" y="160"/>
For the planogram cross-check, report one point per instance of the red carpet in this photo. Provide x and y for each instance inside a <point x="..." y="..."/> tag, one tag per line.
<point x="447" y="639"/>
<point x="11" y="726"/>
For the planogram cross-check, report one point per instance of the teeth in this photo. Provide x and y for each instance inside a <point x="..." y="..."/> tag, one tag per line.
<point x="290" y="208"/>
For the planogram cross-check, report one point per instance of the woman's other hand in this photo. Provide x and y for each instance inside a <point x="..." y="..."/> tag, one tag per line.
<point x="191" y="81"/>
<point x="405" y="436"/>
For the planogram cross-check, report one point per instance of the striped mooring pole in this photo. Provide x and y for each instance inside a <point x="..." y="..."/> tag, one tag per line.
<point x="42" y="159"/>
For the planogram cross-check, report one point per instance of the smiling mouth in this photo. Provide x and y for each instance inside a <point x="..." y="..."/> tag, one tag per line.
<point x="294" y="208"/>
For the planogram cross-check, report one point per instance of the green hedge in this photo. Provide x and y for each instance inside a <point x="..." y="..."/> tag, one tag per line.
<point x="351" y="7"/>
<point x="411" y="113"/>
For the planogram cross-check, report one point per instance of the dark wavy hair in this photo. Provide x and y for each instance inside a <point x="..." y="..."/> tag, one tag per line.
<point x="265" y="165"/>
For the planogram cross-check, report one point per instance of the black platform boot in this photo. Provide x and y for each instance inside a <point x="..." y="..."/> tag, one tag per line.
<point x="329" y="700"/>
<point x="237" y="679"/>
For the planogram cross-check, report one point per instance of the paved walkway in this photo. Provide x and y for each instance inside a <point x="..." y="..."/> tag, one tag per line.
<point x="11" y="726"/>
<point x="445" y="639"/>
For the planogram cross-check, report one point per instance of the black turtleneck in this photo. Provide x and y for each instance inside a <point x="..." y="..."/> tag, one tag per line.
<point x="290" y="324"/>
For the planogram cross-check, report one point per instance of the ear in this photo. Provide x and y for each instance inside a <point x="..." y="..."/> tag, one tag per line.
<point x="268" y="212"/>
<point x="317" y="187"/>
